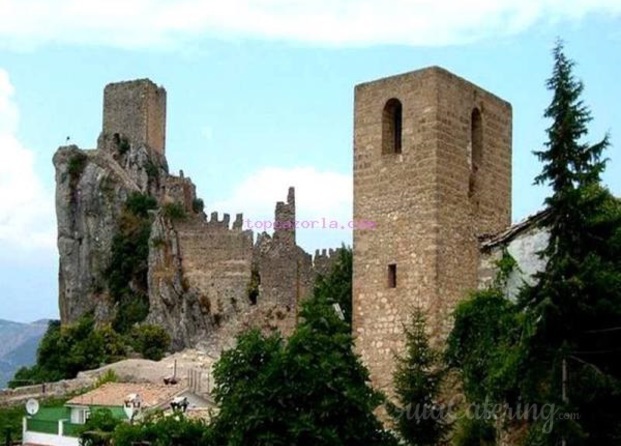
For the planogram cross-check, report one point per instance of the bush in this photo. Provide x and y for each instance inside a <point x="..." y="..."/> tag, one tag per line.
<point x="11" y="422"/>
<point x="140" y="204"/>
<point x="153" y="171"/>
<point x="174" y="211"/>
<point x="198" y="205"/>
<point x="131" y="311"/>
<point x="99" y="428"/>
<point x="151" y="341"/>
<point x="124" y="145"/>
<point x="76" y="166"/>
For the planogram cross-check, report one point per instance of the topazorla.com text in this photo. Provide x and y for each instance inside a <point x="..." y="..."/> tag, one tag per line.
<point x="321" y="223"/>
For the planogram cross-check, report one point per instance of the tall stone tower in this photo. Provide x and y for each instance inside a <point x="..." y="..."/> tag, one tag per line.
<point x="137" y="110"/>
<point x="432" y="169"/>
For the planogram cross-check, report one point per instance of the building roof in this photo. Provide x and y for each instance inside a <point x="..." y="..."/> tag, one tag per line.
<point x="489" y="242"/>
<point x="114" y="394"/>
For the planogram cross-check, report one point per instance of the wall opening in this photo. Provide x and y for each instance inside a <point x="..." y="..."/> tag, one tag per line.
<point x="392" y="275"/>
<point x="475" y="150"/>
<point x="253" y="286"/>
<point x="392" y="125"/>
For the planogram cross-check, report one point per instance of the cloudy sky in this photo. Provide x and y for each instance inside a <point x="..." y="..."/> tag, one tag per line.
<point x="260" y="97"/>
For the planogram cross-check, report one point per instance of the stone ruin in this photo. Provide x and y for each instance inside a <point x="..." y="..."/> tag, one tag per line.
<point x="208" y="279"/>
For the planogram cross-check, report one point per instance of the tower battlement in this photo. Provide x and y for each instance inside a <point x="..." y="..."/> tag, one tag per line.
<point x="136" y="110"/>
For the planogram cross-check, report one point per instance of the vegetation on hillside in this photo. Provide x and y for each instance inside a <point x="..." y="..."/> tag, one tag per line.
<point x="127" y="274"/>
<point x="66" y="351"/>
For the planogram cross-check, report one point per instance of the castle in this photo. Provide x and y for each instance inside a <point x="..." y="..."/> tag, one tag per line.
<point x="432" y="170"/>
<point x="207" y="279"/>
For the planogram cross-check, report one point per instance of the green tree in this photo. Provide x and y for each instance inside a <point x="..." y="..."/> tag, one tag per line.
<point x="574" y="311"/>
<point x="335" y="287"/>
<point x="99" y="428"/>
<point x="11" y="423"/>
<point x="418" y="417"/>
<point x="66" y="351"/>
<point x="484" y="346"/>
<point x="311" y="389"/>
<point x="570" y="166"/>
<point x="163" y="430"/>
<point x="557" y="346"/>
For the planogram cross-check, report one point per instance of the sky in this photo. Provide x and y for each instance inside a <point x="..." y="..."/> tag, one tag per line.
<point x="260" y="97"/>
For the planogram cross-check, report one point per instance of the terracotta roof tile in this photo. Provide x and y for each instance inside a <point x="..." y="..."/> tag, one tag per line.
<point x="114" y="394"/>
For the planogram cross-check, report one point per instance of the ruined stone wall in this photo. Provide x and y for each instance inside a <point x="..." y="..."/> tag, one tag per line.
<point x="136" y="110"/>
<point x="179" y="189"/>
<point x="419" y="197"/>
<point x="324" y="260"/>
<point x="200" y="268"/>
<point x="216" y="261"/>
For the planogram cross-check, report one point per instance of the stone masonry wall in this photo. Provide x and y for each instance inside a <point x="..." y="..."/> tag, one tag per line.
<point x="466" y="212"/>
<point x="137" y="110"/>
<point x="216" y="261"/>
<point x="426" y="219"/>
<point x="179" y="189"/>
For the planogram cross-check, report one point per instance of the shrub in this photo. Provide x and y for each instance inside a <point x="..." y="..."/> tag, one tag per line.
<point x="140" y="204"/>
<point x="76" y="166"/>
<point x="124" y="145"/>
<point x="151" y="341"/>
<point x="174" y="211"/>
<point x="198" y="205"/>
<point x="153" y="171"/>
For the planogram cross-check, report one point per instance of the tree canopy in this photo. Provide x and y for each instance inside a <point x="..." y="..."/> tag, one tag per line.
<point x="557" y="345"/>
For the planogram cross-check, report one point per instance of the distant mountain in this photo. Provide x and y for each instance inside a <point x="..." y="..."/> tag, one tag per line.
<point x="18" y="346"/>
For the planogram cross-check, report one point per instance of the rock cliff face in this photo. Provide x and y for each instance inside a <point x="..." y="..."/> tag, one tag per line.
<point x="206" y="279"/>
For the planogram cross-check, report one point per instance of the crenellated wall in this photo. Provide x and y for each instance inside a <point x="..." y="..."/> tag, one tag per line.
<point x="200" y="269"/>
<point x="216" y="262"/>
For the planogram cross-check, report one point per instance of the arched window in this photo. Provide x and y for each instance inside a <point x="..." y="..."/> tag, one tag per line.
<point x="392" y="118"/>
<point x="475" y="155"/>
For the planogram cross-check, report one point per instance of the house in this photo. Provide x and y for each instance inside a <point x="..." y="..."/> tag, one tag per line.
<point x="59" y="426"/>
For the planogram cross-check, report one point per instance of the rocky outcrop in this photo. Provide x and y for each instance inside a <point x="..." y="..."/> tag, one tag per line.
<point x="205" y="280"/>
<point x="90" y="191"/>
<point x="173" y="304"/>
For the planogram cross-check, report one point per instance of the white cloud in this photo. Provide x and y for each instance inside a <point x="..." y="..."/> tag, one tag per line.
<point x="319" y="196"/>
<point x="169" y="23"/>
<point x="26" y="209"/>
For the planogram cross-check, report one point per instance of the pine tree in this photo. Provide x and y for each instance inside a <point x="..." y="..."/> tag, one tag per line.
<point x="418" y="418"/>
<point x="578" y="296"/>
<point x="571" y="167"/>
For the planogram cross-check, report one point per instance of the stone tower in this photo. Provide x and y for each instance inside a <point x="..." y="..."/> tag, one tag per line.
<point x="432" y="170"/>
<point x="137" y="110"/>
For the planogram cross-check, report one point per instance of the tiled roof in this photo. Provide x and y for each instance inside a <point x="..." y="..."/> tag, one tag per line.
<point x="114" y="394"/>
<point x="488" y="242"/>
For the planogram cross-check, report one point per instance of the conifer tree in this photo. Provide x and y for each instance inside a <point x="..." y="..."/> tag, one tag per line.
<point x="573" y="312"/>
<point x="418" y="418"/>
<point x="570" y="166"/>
